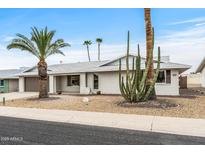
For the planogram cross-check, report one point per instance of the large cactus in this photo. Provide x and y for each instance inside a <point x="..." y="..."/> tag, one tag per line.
<point x="133" y="86"/>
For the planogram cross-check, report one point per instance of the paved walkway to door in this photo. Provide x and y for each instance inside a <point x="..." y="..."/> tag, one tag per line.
<point x="17" y="95"/>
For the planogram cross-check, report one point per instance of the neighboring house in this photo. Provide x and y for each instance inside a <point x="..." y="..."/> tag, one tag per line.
<point x="9" y="80"/>
<point x="201" y="69"/>
<point x="192" y="80"/>
<point x="103" y="76"/>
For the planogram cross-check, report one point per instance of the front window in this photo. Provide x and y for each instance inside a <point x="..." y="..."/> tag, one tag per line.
<point x="73" y="80"/>
<point x="164" y="76"/>
<point x="161" y="77"/>
<point x="1" y="83"/>
<point x="96" y="81"/>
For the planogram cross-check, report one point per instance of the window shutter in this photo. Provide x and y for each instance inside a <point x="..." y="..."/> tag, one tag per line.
<point x="95" y="81"/>
<point x="168" y="76"/>
<point x="69" y="80"/>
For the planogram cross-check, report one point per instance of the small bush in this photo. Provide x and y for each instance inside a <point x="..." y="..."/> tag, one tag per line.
<point x="59" y="92"/>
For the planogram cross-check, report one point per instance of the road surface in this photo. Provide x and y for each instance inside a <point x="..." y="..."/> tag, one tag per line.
<point x="25" y="131"/>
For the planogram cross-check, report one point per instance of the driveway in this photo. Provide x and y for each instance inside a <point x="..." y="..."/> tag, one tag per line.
<point x="17" y="95"/>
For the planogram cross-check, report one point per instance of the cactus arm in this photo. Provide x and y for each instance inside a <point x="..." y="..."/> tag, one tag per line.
<point x="155" y="76"/>
<point x="133" y="68"/>
<point x="128" y="78"/>
<point x="144" y="76"/>
<point x="120" y="76"/>
<point x="122" y="86"/>
<point x="149" y="61"/>
<point x="138" y="65"/>
<point x="125" y="92"/>
<point x="121" y="82"/>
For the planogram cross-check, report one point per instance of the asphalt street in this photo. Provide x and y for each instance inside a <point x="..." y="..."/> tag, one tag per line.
<point x="25" y="131"/>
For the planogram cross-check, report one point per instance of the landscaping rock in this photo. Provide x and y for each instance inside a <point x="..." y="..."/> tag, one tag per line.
<point x="202" y="92"/>
<point x="85" y="100"/>
<point x="150" y="104"/>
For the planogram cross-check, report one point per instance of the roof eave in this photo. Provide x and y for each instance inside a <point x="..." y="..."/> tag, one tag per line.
<point x="201" y="66"/>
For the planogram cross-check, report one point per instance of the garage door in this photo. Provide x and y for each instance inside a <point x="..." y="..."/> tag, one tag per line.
<point x="31" y="84"/>
<point x="13" y="85"/>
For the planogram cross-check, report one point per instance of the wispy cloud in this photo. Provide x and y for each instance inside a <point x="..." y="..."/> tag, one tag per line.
<point x="185" y="46"/>
<point x="108" y="52"/>
<point x="15" y="59"/>
<point x="7" y="38"/>
<point x="200" y="24"/>
<point x="194" y="20"/>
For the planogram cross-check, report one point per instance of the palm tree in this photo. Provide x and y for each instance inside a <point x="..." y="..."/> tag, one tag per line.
<point x="149" y="48"/>
<point x="87" y="43"/>
<point x="41" y="45"/>
<point x="99" y="41"/>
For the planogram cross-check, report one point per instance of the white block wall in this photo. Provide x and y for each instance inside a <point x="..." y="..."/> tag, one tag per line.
<point x="83" y="88"/>
<point x="169" y="89"/>
<point x="109" y="84"/>
<point x="194" y="80"/>
<point x="64" y="87"/>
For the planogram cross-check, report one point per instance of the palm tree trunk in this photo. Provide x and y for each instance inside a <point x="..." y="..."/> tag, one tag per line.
<point x="43" y="79"/>
<point x="88" y="53"/>
<point x="149" y="46"/>
<point x="98" y="51"/>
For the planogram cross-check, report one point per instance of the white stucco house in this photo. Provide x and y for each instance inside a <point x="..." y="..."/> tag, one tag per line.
<point x="201" y="69"/>
<point x="103" y="76"/>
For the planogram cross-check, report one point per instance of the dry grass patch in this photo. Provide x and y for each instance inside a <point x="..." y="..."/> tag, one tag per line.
<point x="189" y="107"/>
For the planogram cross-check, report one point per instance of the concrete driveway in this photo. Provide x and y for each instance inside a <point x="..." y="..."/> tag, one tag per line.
<point x="17" y="95"/>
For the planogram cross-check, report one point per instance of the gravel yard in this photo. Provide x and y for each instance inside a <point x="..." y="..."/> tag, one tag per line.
<point x="191" y="106"/>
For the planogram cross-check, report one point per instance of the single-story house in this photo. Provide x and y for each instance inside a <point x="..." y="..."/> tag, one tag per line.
<point x="201" y="69"/>
<point x="9" y="80"/>
<point x="103" y="76"/>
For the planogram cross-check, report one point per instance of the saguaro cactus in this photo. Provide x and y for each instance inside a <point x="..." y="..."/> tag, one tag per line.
<point x="133" y="86"/>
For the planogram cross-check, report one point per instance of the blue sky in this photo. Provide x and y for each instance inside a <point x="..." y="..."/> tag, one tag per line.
<point x="179" y="32"/>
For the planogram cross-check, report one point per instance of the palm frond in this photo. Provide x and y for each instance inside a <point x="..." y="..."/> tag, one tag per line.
<point x="40" y="43"/>
<point x="87" y="42"/>
<point x="55" y="47"/>
<point x="99" y="40"/>
<point x="24" y="44"/>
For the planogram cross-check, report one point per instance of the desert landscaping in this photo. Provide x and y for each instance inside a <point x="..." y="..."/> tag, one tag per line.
<point x="191" y="104"/>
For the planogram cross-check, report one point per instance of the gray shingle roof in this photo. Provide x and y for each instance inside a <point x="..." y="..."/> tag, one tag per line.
<point x="96" y="66"/>
<point x="10" y="73"/>
<point x="67" y="68"/>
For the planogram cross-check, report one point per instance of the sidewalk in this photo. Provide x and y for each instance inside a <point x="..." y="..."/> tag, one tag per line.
<point x="183" y="126"/>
